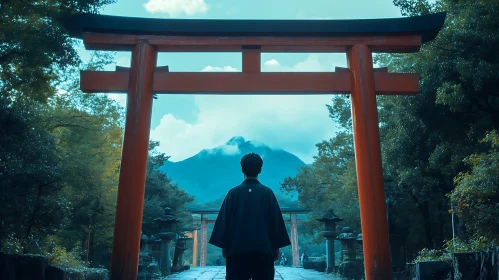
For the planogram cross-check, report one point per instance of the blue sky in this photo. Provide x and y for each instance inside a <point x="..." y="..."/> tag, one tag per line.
<point x="186" y="124"/>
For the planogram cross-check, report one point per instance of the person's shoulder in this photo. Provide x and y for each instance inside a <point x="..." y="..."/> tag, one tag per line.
<point x="235" y="188"/>
<point x="268" y="189"/>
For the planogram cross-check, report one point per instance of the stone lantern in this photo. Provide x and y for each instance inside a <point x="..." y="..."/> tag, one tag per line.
<point x="360" y="250"/>
<point x="168" y="227"/>
<point x="180" y="248"/>
<point x="330" y="220"/>
<point x="143" y="242"/>
<point x="348" y="240"/>
<point x="349" y="268"/>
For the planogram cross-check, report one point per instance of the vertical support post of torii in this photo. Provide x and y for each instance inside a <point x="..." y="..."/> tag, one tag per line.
<point x="130" y="203"/>
<point x="251" y="61"/>
<point x="195" y="249"/>
<point x="376" y="243"/>
<point x="294" y="241"/>
<point x="204" y="229"/>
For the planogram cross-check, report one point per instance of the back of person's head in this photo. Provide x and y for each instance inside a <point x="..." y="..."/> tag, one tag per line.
<point x="251" y="165"/>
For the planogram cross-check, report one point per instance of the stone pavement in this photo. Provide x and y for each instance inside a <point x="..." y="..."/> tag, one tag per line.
<point x="282" y="273"/>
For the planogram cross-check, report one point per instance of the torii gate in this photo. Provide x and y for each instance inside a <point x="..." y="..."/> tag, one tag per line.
<point x="145" y="37"/>
<point x="204" y="221"/>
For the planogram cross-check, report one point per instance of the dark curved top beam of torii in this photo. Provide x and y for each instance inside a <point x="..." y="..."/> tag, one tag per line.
<point x="359" y="39"/>
<point x="228" y="31"/>
<point x="103" y="32"/>
<point x="292" y="35"/>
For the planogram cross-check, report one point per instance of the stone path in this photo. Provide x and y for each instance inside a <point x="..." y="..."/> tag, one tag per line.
<point x="282" y="273"/>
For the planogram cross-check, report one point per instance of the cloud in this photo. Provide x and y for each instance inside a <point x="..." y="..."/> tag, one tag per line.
<point x="219" y="69"/>
<point x="226" y="149"/>
<point x="177" y="7"/>
<point x="119" y="97"/>
<point x="271" y="63"/>
<point x="294" y="123"/>
<point x="313" y="63"/>
<point x="123" y="60"/>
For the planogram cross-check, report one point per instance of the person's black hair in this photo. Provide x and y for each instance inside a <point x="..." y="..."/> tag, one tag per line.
<point x="251" y="164"/>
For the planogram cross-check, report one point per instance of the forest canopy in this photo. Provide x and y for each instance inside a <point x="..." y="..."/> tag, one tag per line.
<point x="439" y="148"/>
<point x="60" y="148"/>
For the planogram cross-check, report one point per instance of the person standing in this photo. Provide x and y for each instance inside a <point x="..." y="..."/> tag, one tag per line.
<point x="249" y="227"/>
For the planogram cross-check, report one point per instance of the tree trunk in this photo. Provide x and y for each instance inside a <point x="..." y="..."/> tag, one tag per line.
<point x="440" y="237"/>
<point x="87" y="244"/>
<point x="460" y="228"/>
<point x="91" y="248"/>
<point x="37" y="208"/>
<point x="427" y="225"/>
<point x="425" y="212"/>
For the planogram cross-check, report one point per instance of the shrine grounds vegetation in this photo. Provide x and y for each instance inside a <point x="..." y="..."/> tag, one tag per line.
<point x="440" y="148"/>
<point x="60" y="148"/>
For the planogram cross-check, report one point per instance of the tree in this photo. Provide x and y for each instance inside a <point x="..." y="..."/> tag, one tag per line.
<point x="425" y="138"/>
<point x="89" y="131"/>
<point x="82" y="146"/>
<point x="476" y="196"/>
<point x="30" y="173"/>
<point x="161" y="192"/>
<point x="35" y="50"/>
<point x="329" y="182"/>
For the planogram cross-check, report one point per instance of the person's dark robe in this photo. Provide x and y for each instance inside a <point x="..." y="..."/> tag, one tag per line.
<point x="250" y="221"/>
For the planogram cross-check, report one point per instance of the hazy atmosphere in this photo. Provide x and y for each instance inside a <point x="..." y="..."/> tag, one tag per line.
<point x="186" y="124"/>
<point x="396" y="178"/>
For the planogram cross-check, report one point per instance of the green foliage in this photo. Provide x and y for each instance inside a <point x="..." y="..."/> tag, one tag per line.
<point x="60" y="149"/>
<point x="161" y="192"/>
<point x="431" y="255"/>
<point x="426" y="138"/>
<point x="12" y="245"/>
<point x="432" y="142"/>
<point x="30" y="172"/>
<point x="37" y="59"/>
<point x="475" y="244"/>
<point x="329" y="182"/>
<point x="59" y="256"/>
<point x="476" y="196"/>
<point x="34" y="48"/>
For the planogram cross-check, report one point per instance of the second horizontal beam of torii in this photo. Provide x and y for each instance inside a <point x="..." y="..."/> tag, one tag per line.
<point x="284" y="83"/>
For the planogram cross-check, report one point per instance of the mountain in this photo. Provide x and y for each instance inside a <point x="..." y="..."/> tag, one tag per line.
<point x="211" y="173"/>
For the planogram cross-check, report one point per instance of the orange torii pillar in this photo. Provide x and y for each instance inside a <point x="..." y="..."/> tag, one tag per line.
<point x="295" y="246"/>
<point x="146" y="37"/>
<point x="130" y="204"/>
<point x="204" y="240"/>
<point x="195" y="249"/>
<point x="294" y="241"/>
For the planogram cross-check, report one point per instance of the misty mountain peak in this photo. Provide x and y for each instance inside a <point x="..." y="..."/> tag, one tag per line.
<point x="236" y="141"/>
<point x="218" y="169"/>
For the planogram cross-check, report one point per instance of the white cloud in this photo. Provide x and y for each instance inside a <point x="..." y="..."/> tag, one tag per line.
<point x="271" y="63"/>
<point x="226" y="149"/>
<point x="219" y="69"/>
<point x="124" y="61"/>
<point x="119" y="97"/>
<point x="177" y="7"/>
<point x="294" y="123"/>
<point x="311" y="64"/>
